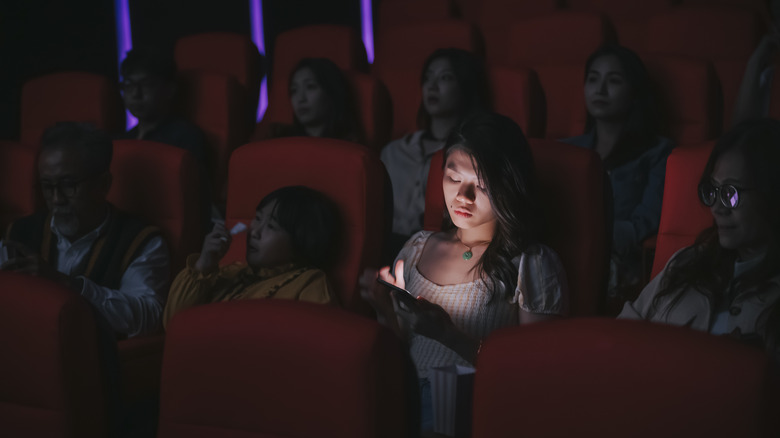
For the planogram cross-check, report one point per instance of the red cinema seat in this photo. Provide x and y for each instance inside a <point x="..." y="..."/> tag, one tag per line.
<point x="405" y="90"/>
<point x="374" y="108"/>
<point x="340" y="44"/>
<point x="616" y="378"/>
<point x="279" y="368"/>
<point x="394" y="13"/>
<point x="725" y="36"/>
<point x="688" y="97"/>
<point x="571" y="187"/>
<point x="628" y="16"/>
<point x="215" y="102"/>
<point x="517" y="94"/>
<point x="51" y="384"/>
<point x="18" y="183"/>
<point x="558" y="58"/>
<point x="496" y="17"/>
<point x="683" y="216"/>
<point x="228" y="53"/>
<point x="69" y="97"/>
<point x="407" y="47"/>
<point x="159" y="183"/>
<point x="349" y="174"/>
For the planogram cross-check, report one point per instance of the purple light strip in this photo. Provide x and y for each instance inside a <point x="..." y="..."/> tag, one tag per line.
<point x="367" y="21"/>
<point x="258" y="37"/>
<point x="124" y="42"/>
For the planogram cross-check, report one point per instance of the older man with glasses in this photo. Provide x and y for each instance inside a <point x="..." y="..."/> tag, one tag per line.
<point x="119" y="264"/>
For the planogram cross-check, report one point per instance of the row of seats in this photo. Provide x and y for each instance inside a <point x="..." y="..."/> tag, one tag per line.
<point x="695" y="54"/>
<point x="335" y="374"/>
<point x="155" y="182"/>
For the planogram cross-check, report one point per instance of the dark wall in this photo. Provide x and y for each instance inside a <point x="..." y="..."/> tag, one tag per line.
<point x="44" y="36"/>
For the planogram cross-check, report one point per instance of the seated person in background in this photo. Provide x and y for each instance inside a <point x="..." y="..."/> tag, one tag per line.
<point x="754" y="94"/>
<point x="116" y="262"/>
<point x="454" y="83"/>
<point x="485" y="272"/>
<point x="622" y="126"/>
<point x="148" y="87"/>
<point x="728" y="282"/>
<point x="291" y="238"/>
<point x="323" y="103"/>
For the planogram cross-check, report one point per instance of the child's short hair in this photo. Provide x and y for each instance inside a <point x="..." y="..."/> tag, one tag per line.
<point x="312" y="221"/>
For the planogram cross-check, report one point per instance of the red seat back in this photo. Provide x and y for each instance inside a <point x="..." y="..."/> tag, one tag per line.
<point x="628" y="16"/>
<point x="227" y="53"/>
<point x="683" y="216"/>
<point x="570" y="190"/>
<point x="409" y="46"/>
<point x="403" y="12"/>
<point x="688" y="97"/>
<point x="69" y="97"/>
<point x="496" y="17"/>
<point x="517" y="94"/>
<point x="51" y="381"/>
<point x="215" y="102"/>
<point x="349" y="174"/>
<point x="617" y="378"/>
<point x="279" y="368"/>
<point x="340" y="44"/>
<point x="18" y="183"/>
<point x="725" y="36"/>
<point x="159" y="183"/>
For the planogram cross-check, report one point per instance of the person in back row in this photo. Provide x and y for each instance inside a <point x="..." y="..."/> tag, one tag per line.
<point x="120" y="265"/>
<point x="454" y="84"/>
<point x="148" y="84"/>
<point x="622" y="126"/>
<point x="291" y="239"/>
<point x="728" y="282"/>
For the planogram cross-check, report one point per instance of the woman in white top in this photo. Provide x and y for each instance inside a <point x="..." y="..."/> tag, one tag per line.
<point x="488" y="270"/>
<point x="453" y="84"/>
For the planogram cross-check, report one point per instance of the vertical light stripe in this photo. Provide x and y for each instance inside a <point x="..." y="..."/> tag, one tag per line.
<point x="367" y="24"/>
<point x="124" y="42"/>
<point x="258" y="37"/>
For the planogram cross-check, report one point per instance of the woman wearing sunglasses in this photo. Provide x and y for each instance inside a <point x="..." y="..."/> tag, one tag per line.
<point x="728" y="282"/>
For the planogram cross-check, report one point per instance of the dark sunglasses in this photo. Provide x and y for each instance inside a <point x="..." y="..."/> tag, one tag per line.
<point x="729" y="194"/>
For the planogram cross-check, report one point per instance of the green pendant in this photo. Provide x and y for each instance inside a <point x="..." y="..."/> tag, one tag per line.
<point x="467" y="255"/>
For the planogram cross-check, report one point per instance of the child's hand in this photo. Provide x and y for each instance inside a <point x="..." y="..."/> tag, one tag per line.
<point x="215" y="246"/>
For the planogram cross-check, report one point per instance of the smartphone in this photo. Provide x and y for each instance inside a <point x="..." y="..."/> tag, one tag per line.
<point x="405" y="298"/>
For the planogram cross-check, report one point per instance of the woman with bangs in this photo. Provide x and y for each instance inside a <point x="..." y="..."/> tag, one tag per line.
<point x="485" y="271"/>
<point x="728" y="282"/>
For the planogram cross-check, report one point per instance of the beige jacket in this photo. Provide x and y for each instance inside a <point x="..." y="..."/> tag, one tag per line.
<point x="748" y="311"/>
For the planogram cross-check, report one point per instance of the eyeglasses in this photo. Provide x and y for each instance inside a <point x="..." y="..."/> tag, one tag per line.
<point x="729" y="194"/>
<point x="143" y="85"/>
<point x="66" y="187"/>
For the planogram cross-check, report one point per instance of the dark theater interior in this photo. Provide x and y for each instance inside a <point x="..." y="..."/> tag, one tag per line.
<point x="389" y="218"/>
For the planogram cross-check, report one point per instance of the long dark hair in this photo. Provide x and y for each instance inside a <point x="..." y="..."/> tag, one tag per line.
<point x="469" y="71"/>
<point x="641" y="127"/>
<point x="503" y="161"/>
<point x="707" y="266"/>
<point x="311" y="219"/>
<point x="342" y="120"/>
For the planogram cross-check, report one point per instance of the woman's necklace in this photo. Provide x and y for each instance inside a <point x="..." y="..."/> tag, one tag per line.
<point x="468" y="254"/>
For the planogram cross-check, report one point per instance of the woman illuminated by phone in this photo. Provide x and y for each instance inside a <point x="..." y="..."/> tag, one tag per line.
<point x="488" y="270"/>
<point x="728" y="282"/>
